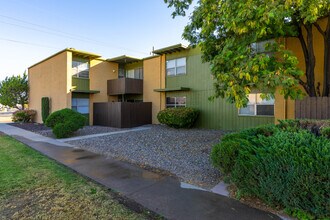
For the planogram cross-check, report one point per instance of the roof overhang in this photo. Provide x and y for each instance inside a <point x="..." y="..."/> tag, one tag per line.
<point x="75" y="52"/>
<point x="83" y="54"/>
<point x="172" y="89"/>
<point x="86" y="91"/>
<point x="124" y="59"/>
<point x="170" y="49"/>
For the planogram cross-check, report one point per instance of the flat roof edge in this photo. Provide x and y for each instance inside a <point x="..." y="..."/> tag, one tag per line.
<point x="170" y="49"/>
<point x="67" y="50"/>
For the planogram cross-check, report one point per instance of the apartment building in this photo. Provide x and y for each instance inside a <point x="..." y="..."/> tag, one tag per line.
<point x="174" y="76"/>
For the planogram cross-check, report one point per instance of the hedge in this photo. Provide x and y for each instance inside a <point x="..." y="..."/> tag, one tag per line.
<point x="284" y="165"/>
<point x="182" y="117"/>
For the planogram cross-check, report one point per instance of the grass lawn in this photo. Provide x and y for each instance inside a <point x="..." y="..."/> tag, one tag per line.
<point x="34" y="187"/>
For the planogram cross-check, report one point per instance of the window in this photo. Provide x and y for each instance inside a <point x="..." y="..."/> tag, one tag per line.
<point x="80" y="69"/>
<point x="260" y="47"/>
<point x="136" y="73"/>
<point x="258" y="106"/>
<point x="81" y="105"/>
<point x="174" y="102"/>
<point x="121" y="71"/>
<point x="176" y="67"/>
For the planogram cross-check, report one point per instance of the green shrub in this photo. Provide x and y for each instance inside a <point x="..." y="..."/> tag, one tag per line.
<point x="314" y="126"/>
<point x="286" y="165"/>
<point x="64" y="122"/>
<point x="44" y="108"/>
<point x="325" y="132"/>
<point x="287" y="169"/>
<point x="289" y="124"/>
<point x="264" y="130"/>
<point x="234" y="136"/>
<point x="64" y="130"/>
<point x="64" y="115"/>
<point x="178" y="117"/>
<point x="224" y="154"/>
<point x="23" y="115"/>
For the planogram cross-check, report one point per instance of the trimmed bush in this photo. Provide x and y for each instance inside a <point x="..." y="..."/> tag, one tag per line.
<point x="65" y="115"/>
<point x="264" y="130"/>
<point x="224" y="154"/>
<point x="64" y="130"/>
<point x="178" y="117"/>
<point x="325" y="132"/>
<point x="26" y="115"/>
<point x="44" y="108"/>
<point x="314" y="126"/>
<point x="288" y="169"/>
<point x="64" y="122"/>
<point x="289" y="124"/>
<point x="284" y="165"/>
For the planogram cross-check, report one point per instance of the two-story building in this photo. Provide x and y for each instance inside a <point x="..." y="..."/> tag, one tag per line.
<point x="173" y="77"/>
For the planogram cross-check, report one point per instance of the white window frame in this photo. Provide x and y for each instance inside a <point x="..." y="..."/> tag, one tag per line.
<point x="77" y="73"/>
<point x="176" y="67"/>
<point x="175" y="105"/>
<point x="255" y="104"/>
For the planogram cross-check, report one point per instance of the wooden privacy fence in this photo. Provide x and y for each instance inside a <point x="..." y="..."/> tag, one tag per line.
<point x="313" y="108"/>
<point x="122" y="114"/>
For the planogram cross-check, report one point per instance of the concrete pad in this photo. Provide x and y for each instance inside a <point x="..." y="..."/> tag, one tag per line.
<point x="221" y="189"/>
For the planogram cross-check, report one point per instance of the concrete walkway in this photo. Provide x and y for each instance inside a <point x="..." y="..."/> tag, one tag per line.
<point x="14" y="131"/>
<point x="161" y="194"/>
<point x="103" y="134"/>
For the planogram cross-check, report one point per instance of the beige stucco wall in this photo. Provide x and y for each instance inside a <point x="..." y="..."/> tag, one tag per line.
<point x="51" y="79"/>
<point x="101" y="71"/>
<point x="154" y="78"/>
<point x="285" y="109"/>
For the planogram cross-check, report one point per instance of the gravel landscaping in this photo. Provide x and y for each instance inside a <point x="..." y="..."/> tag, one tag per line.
<point x="183" y="152"/>
<point x="45" y="131"/>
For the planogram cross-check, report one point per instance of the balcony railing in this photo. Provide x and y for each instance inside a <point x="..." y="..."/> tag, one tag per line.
<point x="80" y="84"/>
<point x="125" y="86"/>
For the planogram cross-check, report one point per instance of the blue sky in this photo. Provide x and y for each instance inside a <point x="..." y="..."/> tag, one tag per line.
<point x="35" y="29"/>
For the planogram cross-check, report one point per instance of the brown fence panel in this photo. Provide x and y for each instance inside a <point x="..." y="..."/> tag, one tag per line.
<point x="313" y="108"/>
<point x="122" y="114"/>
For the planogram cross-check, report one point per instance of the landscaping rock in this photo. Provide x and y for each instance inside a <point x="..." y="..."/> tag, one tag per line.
<point x="183" y="152"/>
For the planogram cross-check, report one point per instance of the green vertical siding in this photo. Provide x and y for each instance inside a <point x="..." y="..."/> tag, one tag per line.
<point x="80" y="84"/>
<point x="217" y="114"/>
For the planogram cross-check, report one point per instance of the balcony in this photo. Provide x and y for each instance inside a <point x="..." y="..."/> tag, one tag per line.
<point x="81" y="85"/>
<point x="123" y="86"/>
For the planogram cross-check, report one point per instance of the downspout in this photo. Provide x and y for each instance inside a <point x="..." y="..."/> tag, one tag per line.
<point x="160" y="82"/>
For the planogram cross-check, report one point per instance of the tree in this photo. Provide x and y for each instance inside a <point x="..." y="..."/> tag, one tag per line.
<point x="14" y="91"/>
<point x="227" y="31"/>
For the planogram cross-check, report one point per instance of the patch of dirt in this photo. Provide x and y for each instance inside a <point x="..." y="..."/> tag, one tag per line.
<point x="256" y="203"/>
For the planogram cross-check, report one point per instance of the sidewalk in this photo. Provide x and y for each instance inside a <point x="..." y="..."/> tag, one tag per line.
<point x="161" y="194"/>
